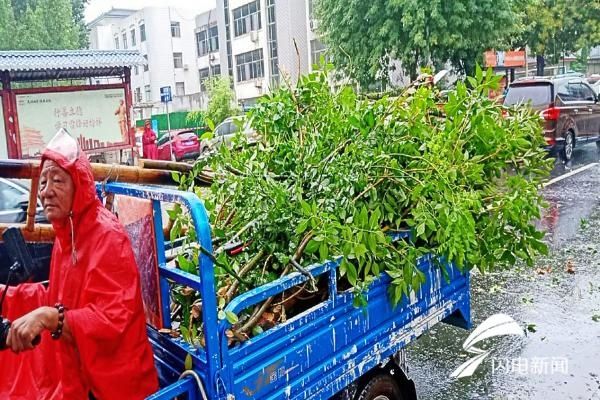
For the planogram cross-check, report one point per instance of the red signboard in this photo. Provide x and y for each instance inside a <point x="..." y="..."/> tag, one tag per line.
<point x="508" y="59"/>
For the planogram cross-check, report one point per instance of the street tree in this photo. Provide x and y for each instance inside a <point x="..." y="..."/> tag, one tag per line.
<point x="221" y="103"/>
<point x="553" y="28"/>
<point x="42" y="24"/>
<point x="7" y="24"/>
<point x="363" y="37"/>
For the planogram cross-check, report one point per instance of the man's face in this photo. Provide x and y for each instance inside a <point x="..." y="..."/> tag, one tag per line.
<point x="56" y="191"/>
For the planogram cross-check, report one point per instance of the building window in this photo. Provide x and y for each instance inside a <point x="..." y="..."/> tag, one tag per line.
<point x="207" y="40"/>
<point x="136" y="70"/>
<point x="316" y="50"/>
<point x="116" y="42"/>
<point x="272" y="42"/>
<point x="206" y="73"/>
<point x="133" y="39"/>
<point x="247" y="18"/>
<point x="146" y="63"/>
<point x="175" y="29"/>
<point x="142" y="33"/>
<point x="124" y="40"/>
<point x="249" y="65"/>
<point x="178" y="60"/>
<point x="138" y="95"/>
<point x="179" y="88"/>
<point x="148" y="92"/>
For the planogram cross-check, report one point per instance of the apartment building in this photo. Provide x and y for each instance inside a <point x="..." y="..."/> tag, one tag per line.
<point x="257" y="43"/>
<point x="165" y="36"/>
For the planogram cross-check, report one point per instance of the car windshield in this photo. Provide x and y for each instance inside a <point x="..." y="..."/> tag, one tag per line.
<point x="186" y="135"/>
<point x="535" y="95"/>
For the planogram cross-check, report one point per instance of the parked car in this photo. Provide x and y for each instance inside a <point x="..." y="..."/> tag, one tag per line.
<point x="14" y="197"/>
<point x="185" y="145"/>
<point x="568" y="106"/>
<point x="226" y="131"/>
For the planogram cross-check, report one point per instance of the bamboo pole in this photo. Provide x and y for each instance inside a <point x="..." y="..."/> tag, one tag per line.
<point x="168" y="165"/>
<point x="32" y="205"/>
<point x="39" y="233"/>
<point x="27" y="169"/>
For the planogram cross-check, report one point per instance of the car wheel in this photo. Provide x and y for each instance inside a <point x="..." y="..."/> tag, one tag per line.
<point x="380" y="387"/>
<point x="567" y="151"/>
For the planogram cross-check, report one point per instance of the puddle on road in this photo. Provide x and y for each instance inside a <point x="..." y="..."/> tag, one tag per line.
<point x="558" y="305"/>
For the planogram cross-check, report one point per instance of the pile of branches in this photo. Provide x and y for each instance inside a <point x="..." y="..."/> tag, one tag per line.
<point x="332" y="174"/>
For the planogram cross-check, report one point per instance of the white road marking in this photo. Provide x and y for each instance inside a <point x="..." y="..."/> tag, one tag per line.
<point x="569" y="174"/>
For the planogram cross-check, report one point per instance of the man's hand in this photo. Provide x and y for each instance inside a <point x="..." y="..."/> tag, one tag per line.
<point x="25" y="329"/>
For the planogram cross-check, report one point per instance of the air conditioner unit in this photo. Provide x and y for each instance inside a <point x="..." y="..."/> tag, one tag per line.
<point x="186" y="67"/>
<point x="313" y="25"/>
<point x="258" y="83"/>
<point x="254" y="36"/>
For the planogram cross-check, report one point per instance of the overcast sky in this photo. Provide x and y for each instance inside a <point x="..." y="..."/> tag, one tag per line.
<point x="97" y="7"/>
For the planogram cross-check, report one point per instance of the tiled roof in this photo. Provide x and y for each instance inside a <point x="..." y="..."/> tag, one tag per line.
<point x="68" y="59"/>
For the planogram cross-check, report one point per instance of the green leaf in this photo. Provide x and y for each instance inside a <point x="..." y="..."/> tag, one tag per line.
<point x="257" y="330"/>
<point x="351" y="273"/>
<point x="231" y="317"/>
<point x="210" y="124"/>
<point x="188" y="364"/>
<point x="312" y="247"/>
<point x="221" y="315"/>
<point x="207" y="136"/>
<point x="323" y="251"/>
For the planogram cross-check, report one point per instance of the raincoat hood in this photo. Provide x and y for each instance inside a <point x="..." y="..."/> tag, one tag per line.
<point x="64" y="150"/>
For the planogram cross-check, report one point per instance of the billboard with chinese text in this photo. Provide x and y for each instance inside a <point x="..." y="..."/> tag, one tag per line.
<point x="96" y="118"/>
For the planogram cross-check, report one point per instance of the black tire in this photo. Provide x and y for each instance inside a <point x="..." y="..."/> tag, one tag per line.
<point x="380" y="387"/>
<point x="567" y="151"/>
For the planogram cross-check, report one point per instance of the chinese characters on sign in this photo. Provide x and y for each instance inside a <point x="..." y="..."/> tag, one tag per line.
<point x="89" y="116"/>
<point x="531" y="366"/>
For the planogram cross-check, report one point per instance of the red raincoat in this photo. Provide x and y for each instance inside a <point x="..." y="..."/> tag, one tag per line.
<point x="149" y="142"/>
<point x="93" y="273"/>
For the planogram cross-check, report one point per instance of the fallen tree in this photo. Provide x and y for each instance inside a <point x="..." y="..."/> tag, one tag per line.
<point x="333" y="174"/>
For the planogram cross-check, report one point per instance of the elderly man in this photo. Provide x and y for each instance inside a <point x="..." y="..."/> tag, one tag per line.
<point x="90" y="318"/>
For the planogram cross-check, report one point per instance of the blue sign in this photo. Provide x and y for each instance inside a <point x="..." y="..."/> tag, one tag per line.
<point x="165" y="94"/>
<point x="155" y="125"/>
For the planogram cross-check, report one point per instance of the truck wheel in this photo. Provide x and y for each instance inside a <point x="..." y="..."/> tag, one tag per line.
<point x="567" y="151"/>
<point x="380" y="387"/>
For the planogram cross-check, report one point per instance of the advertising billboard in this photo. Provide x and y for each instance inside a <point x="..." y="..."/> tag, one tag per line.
<point x="96" y="118"/>
<point x="507" y="59"/>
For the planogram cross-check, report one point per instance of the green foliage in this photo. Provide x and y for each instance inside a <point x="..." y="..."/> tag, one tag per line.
<point x="221" y="99"/>
<point x="42" y="24"/>
<point x="333" y="173"/>
<point x="362" y="36"/>
<point x="195" y="119"/>
<point x="554" y="27"/>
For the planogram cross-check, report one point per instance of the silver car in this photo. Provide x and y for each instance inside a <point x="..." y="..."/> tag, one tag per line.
<point x="226" y="131"/>
<point x="14" y="197"/>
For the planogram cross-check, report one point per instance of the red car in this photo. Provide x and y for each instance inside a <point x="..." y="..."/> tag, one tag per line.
<point x="185" y="145"/>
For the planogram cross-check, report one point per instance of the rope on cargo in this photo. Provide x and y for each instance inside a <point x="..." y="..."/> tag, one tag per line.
<point x="192" y="373"/>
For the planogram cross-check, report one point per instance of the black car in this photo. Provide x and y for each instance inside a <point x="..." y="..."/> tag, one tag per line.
<point x="14" y="198"/>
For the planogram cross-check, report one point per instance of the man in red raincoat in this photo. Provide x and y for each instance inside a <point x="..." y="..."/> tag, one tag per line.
<point x="149" y="142"/>
<point x="90" y="318"/>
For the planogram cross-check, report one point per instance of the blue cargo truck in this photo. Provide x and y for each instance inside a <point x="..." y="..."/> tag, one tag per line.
<point x="331" y="350"/>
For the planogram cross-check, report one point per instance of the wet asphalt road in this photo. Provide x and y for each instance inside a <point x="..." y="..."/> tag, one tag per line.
<point x="559" y="299"/>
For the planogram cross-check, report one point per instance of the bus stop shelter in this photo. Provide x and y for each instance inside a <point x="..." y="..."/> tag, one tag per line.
<point x="87" y="92"/>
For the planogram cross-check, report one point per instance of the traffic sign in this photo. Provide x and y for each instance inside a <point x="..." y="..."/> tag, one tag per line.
<point x="165" y="94"/>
